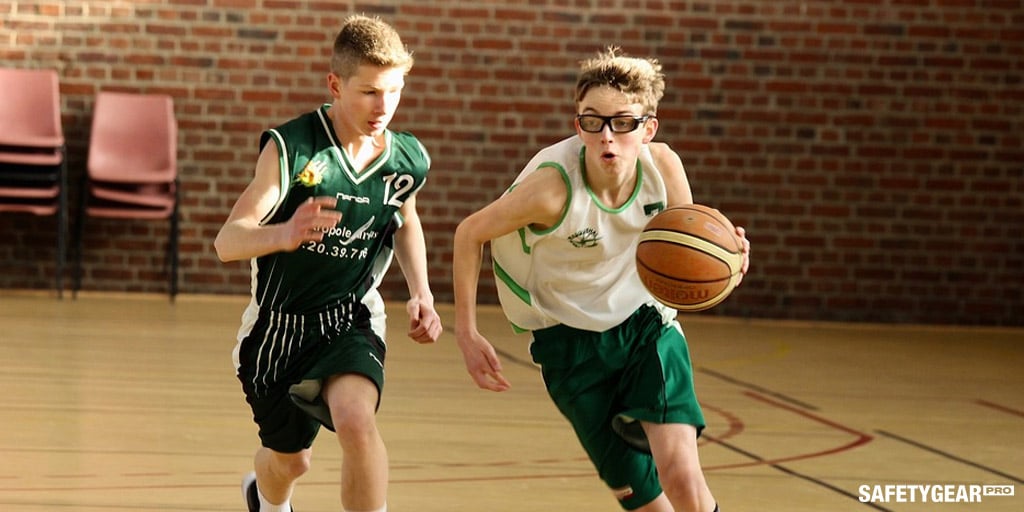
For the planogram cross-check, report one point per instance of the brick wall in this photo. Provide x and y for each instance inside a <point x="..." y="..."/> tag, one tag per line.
<point x="872" y="148"/>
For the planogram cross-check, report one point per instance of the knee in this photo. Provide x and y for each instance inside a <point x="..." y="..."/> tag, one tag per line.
<point x="355" y="428"/>
<point x="684" y="484"/>
<point x="353" y="400"/>
<point x="291" y="466"/>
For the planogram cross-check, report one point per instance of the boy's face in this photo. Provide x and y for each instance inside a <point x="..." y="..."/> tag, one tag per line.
<point x="609" y="150"/>
<point x="367" y="100"/>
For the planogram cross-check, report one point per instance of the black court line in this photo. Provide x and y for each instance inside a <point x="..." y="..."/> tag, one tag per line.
<point x="1000" y="408"/>
<point x="517" y="360"/>
<point x="797" y="474"/>
<point x="752" y="456"/>
<point x="949" y="456"/>
<point x="757" y="388"/>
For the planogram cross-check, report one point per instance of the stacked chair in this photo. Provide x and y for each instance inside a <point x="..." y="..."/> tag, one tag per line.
<point x="33" y="162"/>
<point x="132" y="170"/>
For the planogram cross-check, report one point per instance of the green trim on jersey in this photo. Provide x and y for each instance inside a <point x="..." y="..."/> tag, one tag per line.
<point x="520" y="292"/>
<point x="565" y="208"/>
<point x="504" y="276"/>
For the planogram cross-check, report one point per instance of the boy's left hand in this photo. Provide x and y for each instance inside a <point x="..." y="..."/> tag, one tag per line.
<point x="424" y="322"/>
<point x="742" y="234"/>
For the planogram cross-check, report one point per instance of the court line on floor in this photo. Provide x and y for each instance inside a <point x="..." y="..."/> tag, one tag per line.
<point x="947" y="455"/>
<point x="999" y="407"/>
<point x="860" y="440"/>
<point x="778" y="467"/>
<point x="755" y="387"/>
<point x="736" y="426"/>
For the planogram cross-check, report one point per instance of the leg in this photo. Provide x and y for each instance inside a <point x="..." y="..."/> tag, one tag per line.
<point x="674" y="447"/>
<point x="660" y="504"/>
<point x="352" y="399"/>
<point x="277" y="472"/>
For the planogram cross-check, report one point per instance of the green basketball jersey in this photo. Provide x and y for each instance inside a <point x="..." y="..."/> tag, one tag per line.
<point x="352" y="257"/>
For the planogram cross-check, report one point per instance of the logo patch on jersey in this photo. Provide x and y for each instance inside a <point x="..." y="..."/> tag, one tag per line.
<point x="359" y="234"/>
<point x="355" y="199"/>
<point x="312" y="174"/>
<point x="584" y="238"/>
<point x="652" y="209"/>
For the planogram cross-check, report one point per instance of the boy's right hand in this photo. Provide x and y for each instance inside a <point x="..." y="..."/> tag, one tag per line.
<point x="312" y="220"/>
<point x="482" y="362"/>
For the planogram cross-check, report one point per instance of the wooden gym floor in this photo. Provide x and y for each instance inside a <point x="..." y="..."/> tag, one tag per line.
<point x="127" y="402"/>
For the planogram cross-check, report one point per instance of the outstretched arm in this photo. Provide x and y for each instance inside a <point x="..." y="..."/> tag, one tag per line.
<point x="538" y="201"/>
<point x="482" y="362"/>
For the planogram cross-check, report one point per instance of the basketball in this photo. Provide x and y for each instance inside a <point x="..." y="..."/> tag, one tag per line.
<point x="689" y="257"/>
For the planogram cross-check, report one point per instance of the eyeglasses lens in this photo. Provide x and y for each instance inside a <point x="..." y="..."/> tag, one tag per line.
<point x="618" y="124"/>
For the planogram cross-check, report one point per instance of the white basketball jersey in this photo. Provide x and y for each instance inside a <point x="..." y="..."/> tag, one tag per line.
<point x="582" y="271"/>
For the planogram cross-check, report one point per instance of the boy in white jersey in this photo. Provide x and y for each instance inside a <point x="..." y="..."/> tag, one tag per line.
<point x="563" y="240"/>
<point x="333" y="195"/>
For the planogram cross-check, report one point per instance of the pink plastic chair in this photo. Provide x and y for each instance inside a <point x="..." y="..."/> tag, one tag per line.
<point x="132" y="168"/>
<point x="33" y="166"/>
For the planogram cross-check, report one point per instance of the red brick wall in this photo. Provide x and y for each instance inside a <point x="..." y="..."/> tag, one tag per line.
<point x="872" y="148"/>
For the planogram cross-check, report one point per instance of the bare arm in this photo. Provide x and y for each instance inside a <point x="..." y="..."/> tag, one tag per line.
<point x="672" y="171"/>
<point x="538" y="200"/>
<point x="243" y="237"/>
<point x="410" y="250"/>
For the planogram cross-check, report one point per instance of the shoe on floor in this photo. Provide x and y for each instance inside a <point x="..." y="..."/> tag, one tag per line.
<point x="251" y="494"/>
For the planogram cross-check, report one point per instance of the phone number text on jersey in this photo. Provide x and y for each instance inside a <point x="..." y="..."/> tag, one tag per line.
<point x="336" y="252"/>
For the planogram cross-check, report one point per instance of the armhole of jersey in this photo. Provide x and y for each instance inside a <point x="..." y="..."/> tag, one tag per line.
<point x="568" y="198"/>
<point x="426" y="155"/>
<point x="399" y="218"/>
<point x="284" y="167"/>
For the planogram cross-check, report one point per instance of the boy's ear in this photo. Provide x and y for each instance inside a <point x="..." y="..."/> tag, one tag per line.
<point x="650" y="129"/>
<point x="334" y="84"/>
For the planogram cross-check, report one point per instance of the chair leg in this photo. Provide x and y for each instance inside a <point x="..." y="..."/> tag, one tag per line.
<point x="172" y="244"/>
<point x="62" y="225"/>
<point x="79" y="235"/>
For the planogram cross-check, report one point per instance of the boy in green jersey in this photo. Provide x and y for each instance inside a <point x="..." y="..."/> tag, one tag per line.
<point x="332" y="200"/>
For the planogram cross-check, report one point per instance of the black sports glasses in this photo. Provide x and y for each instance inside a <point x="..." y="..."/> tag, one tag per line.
<point x="619" y="124"/>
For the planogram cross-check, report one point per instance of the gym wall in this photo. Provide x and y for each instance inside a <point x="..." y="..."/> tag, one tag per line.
<point x="871" y="148"/>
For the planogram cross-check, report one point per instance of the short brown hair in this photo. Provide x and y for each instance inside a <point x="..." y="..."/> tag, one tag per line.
<point x="365" y="40"/>
<point x="641" y="80"/>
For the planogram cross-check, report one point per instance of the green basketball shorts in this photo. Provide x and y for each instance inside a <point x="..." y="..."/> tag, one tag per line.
<point x="283" y="350"/>
<point x="639" y="370"/>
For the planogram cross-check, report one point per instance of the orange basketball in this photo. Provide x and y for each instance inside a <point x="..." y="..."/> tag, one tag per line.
<point x="689" y="257"/>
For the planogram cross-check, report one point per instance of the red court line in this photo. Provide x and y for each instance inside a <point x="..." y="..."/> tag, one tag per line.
<point x="860" y="438"/>
<point x="736" y="426"/>
<point x="998" y="407"/>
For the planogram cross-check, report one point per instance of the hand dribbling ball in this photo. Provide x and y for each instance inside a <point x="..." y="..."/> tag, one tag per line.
<point x="689" y="257"/>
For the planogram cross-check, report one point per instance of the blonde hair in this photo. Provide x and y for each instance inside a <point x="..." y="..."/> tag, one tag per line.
<point x="364" y="40"/>
<point x="641" y="80"/>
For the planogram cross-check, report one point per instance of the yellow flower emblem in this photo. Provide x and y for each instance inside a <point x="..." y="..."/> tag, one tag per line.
<point x="312" y="174"/>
